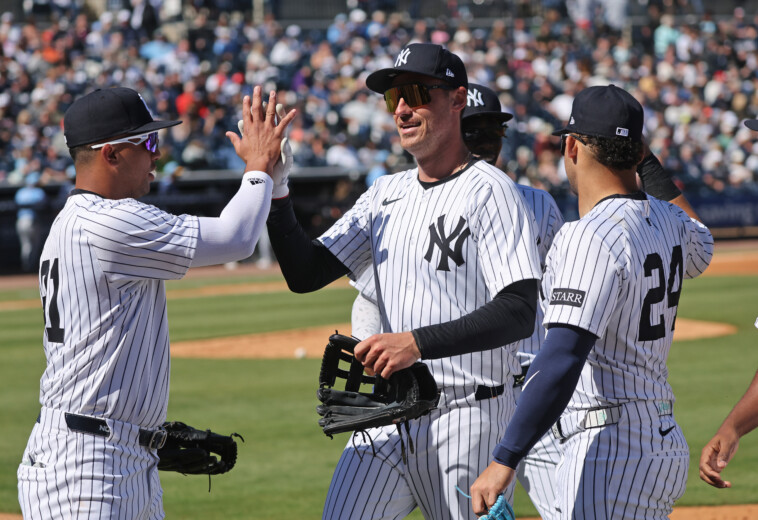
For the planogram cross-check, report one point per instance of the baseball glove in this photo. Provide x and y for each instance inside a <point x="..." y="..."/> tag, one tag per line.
<point x="407" y="394"/>
<point x="500" y="510"/>
<point x="196" y="452"/>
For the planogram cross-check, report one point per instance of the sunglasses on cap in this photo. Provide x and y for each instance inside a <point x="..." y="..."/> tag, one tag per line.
<point x="563" y="141"/>
<point x="414" y="94"/>
<point x="150" y="140"/>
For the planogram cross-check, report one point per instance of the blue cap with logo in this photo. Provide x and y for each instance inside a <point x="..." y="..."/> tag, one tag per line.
<point x="106" y="113"/>
<point x="483" y="101"/>
<point x="422" y="58"/>
<point x="607" y="111"/>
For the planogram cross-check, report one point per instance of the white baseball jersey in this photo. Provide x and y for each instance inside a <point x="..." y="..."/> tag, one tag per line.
<point x="548" y="221"/>
<point x="440" y="251"/>
<point x="617" y="273"/>
<point x="102" y="275"/>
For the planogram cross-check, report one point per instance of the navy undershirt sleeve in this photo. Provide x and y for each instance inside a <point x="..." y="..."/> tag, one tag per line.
<point x="307" y="265"/>
<point x="508" y="317"/>
<point x="550" y="381"/>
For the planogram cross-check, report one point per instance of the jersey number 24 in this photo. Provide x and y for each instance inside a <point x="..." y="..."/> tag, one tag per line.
<point x="662" y="289"/>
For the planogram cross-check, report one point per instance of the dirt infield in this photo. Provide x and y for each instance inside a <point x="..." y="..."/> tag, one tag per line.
<point x="309" y="342"/>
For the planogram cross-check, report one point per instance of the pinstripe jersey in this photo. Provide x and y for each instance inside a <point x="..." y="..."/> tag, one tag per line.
<point x="617" y="273"/>
<point x="440" y="251"/>
<point x="102" y="275"/>
<point x="548" y="220"/>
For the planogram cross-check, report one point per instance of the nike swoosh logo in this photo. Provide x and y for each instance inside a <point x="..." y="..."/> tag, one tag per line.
<point x="386" y="202"/>
<point x="666" y="431"/>
<point x="529" y="380"/>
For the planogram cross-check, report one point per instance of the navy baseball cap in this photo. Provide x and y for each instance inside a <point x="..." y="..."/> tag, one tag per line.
<point x="481" y="101"/>
<point x="752" y="124"/>
<point x="423" y="58"/>
<point x="609" y="112"/>
<point x="107" y="113"/>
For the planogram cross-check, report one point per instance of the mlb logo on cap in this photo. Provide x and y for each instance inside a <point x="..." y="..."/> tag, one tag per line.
<point x="623" y="132"/>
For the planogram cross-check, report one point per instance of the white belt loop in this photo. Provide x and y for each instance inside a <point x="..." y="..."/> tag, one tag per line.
<point x="601" y="417"/>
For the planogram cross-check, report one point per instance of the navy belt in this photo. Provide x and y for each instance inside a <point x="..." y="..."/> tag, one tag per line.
<point x="488" y="392"/>
<point x="154" y="439"/>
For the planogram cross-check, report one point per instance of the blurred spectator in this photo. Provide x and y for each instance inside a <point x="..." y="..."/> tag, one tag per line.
<point x="693" y="71"/>
<point x="30" y="199"/>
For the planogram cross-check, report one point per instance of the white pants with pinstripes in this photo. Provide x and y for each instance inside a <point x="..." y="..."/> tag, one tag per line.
<point x="65" y="474"/>
<point x="636" y="468"/>
<point x="451" y="447"/>
<point x="537" y="475"/>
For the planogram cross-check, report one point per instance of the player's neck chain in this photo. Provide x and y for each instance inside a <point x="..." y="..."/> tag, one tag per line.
<point x="467" y="161"/>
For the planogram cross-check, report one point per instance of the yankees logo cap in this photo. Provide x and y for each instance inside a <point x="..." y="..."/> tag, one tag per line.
<point x="423" y="58"/>
<point x="107" y="113"/>
<point x="482" y="100"/>
<point x="607" y="111"/>
<point x="752" y="124"/>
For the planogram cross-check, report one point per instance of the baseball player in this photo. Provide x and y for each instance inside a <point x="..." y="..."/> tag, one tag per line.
<point x="104" y="392"/>
<point x="741" y="420"/>
<point x="612" y="283"/>
<point x="451" y="245"/>
<point x="483" y="125"/>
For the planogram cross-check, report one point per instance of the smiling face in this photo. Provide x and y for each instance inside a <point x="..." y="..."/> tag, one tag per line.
<point x="424" y="129"/>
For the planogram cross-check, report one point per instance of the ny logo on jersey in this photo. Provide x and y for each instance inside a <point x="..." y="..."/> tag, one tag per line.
<point x="474" y="98"/>
<point x="437" y="237"/>
<point x="402" y="58"/>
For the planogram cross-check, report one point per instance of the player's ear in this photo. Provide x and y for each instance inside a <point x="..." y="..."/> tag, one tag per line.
<point x="460" y="96"/>
<point x="109" y="155"/>
<point x="572" y="147"/>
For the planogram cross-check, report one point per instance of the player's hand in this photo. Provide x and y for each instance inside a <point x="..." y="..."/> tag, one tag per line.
<point x="716" y="455"/>
<point x="261" y="140"/>
<point x="491" y="483"/>
<point x="385" y="354"/>
<point x="282" y="168"/>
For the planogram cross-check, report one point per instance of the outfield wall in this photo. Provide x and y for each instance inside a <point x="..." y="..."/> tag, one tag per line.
<point x="321" y="195"/>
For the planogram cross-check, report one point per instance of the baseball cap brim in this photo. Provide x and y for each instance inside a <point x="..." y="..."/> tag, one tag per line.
<point x="501" y="116"/>
<point x="380" y="81"/>
<point x="144" y="129"/>
<point x="152" y="127"/>
<point x="752" y="124"/>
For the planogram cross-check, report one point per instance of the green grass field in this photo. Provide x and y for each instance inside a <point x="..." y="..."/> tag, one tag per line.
<point x="285" y="463"/>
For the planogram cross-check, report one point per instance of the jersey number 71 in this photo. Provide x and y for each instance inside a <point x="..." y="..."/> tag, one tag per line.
<point x="49" y="283"/>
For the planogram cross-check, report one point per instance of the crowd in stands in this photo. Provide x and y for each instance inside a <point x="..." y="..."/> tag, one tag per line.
<point x="696" y="76"/>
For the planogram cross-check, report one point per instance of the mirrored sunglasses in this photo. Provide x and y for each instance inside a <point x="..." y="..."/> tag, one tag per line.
<point x="150" y="140"/>
<point x="414" y="94"/>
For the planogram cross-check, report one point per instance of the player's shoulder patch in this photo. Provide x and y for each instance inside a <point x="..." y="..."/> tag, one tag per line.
<point x="571" y="297"/>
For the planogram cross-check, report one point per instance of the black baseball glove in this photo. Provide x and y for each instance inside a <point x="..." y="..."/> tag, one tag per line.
<point x="196" y="452"/>
<point x="407" y="394"/>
